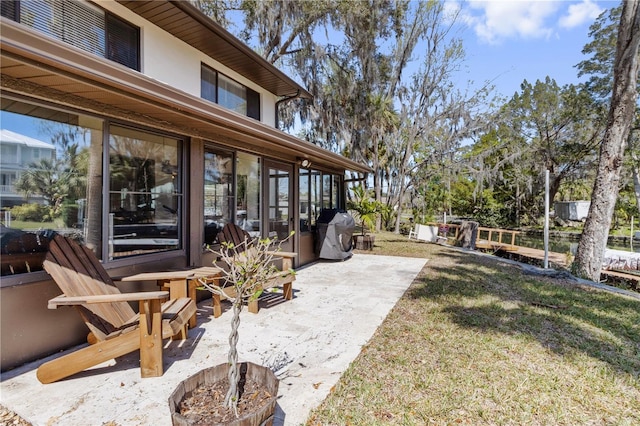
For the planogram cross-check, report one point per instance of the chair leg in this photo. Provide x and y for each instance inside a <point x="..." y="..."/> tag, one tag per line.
<point x="191" y="290"/>
<point x="89" y="356"/>
<point x="217" y="308"/>
<point x="253" y="307"/>
<point x="151" y="363"/>
<point x="287" y="289"/>
<point x="183" y="334"/>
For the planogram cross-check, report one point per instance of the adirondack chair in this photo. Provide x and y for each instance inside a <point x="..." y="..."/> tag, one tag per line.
<point x="115" y="329"/>
<point x="232" y="233"/>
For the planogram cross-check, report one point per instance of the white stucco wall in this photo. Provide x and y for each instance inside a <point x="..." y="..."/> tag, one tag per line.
<point x="167" y="59"/>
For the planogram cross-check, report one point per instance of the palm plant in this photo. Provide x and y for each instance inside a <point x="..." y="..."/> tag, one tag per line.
<point x="365" y="206"/>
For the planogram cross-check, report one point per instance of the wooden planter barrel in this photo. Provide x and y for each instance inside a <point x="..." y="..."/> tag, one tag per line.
<point x="364" y="242"/>
<point x="258" y="373"/>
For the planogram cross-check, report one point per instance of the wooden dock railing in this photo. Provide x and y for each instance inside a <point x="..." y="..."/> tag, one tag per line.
<point x="486" y="238"/>
<point x="505" y="240"/>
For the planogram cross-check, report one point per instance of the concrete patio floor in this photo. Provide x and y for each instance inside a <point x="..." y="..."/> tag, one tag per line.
<point x="309" y="341"/>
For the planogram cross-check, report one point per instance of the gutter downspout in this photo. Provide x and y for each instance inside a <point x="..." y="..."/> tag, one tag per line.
<point x="297" y="95"/>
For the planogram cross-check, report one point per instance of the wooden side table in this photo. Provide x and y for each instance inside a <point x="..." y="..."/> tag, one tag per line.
<point x="180" y="283"/>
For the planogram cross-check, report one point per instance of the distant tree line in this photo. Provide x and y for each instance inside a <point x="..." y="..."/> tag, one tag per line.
<point x="385" y="76"/>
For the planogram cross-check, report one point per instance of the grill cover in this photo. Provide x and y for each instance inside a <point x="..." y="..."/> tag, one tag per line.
<point x="335" y="230"/>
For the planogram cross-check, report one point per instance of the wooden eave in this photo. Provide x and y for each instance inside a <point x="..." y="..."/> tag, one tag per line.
<point x="44" y="68"/>
<point x="186" y="22"/>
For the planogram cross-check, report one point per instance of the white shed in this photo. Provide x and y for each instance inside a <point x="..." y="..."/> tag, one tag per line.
<point x="572" y="210"/>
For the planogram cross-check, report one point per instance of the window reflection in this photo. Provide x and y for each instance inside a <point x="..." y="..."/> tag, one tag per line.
<point x="218" y="193"/>
<point x="82" y="25"/>
<point x="232" y="95"/>
<point x="305" y="201"/>
<point x="316" y="196"/>
<point x="278" y="203"/>
<point x="145" y="193"/>
<point x="50" y="180"/>
<point x="335" y="192"/>
<point x="318" y="190"/>
<point x="219" y="88"/>
<point x="326" y="191"/>
<point x="248" y="193"/>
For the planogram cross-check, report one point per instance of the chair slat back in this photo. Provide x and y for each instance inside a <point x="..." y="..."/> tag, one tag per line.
<point x="78" y="272"/>
<point x="232" y="233"/>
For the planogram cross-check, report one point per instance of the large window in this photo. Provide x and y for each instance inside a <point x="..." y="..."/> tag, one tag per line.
<point x="145" y="192"/>
<point x="209" y="84"/>
<point x="82" y="25"/>
<point x="248" y="193"/>
<point x="232" y="95"/>
<point x="219" y="88"/>
<point x="305" y="200"/>
<point x="336" y="186"/>
<point x="229" y="200"/>
<point x="51" y="180"/>
<point x="218" y="192"/>
<point x="279" y="200"/>
<point x="318" y="190"/>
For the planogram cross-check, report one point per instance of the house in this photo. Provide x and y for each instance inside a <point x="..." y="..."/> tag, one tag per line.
<point x="17" y="153"/>
<point x="166" y="128"/>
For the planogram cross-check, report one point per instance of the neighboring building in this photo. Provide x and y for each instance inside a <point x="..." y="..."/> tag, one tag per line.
<point x="17" y="153"/>
<point x="168" y="122"/>
<point x="572" y="210"/>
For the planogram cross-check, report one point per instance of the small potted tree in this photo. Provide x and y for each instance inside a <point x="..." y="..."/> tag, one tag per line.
<point x="249" y="390"/>
<point x="367" y="210"/>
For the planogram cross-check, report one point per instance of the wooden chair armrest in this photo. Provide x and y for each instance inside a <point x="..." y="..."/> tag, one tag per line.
<point x="286" y="254"/>
<point x="107" y="298"/>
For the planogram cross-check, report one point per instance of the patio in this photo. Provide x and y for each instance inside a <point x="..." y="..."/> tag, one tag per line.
<point x="309" y="341"/>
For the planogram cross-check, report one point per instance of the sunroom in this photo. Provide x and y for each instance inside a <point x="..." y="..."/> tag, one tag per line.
<point x="159" y="128"/>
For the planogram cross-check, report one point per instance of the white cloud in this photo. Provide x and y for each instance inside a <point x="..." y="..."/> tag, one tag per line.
<point x="452" y="11"/>
<point x="578" y="14"/>
<point x="499" y="20"/>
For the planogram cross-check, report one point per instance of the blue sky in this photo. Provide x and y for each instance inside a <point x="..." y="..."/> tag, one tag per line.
<point x="509" y="41"/>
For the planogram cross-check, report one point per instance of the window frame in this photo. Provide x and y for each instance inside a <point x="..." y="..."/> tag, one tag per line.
<point x="107" y="49"/>
<point x="231" y="198"/>
<point x="224" y="94"/>
<point x="40" y="275"/>
<point x="37" y="276"/>
<point x="109" y="54"/>
<point x="206" y="68"/>
<point x="182" y="195"/>
<point x="315" y="189"/>
<point x="251" y="97"/>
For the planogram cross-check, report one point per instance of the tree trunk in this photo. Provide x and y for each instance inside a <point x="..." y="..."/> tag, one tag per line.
<point x="636" y="184"/>
<point x="399" y="211"/>
<point x="588" y="261"/>
<point x="231" y="399"/>
<point x="377" y="187"/>
<point x="93" y="212"/>
<point x="635" y="168"/>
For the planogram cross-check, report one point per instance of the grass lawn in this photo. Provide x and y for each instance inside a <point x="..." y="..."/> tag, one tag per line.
<point x="475" y="340"/>
<point x="33" y="226"/>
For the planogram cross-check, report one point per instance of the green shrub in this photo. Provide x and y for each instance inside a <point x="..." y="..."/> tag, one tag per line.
<point x="31" y="212"/>
<point x="69" y="214"/>
<point x="405" y="227"/>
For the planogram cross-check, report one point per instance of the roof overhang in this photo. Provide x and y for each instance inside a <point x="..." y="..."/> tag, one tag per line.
<point x="46" y="69"/>
<point x="186" y="22"/>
